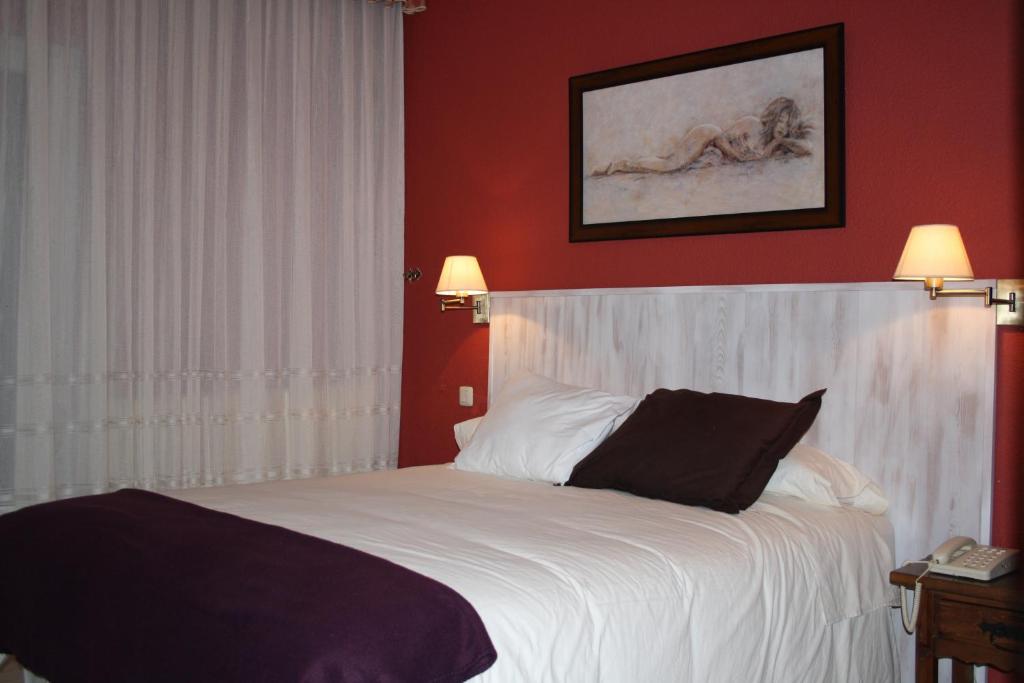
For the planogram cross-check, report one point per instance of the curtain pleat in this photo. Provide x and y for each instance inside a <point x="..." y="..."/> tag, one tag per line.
<point x="202" y="213"/>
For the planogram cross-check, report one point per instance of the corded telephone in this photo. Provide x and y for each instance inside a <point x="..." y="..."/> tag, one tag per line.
<point x="960" y="556"/>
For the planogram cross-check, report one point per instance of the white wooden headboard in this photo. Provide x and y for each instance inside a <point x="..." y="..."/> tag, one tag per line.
<point x="910" y="381"/>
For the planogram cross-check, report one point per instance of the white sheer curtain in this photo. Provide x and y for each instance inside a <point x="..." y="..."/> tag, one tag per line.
<point x="200" y="265"/>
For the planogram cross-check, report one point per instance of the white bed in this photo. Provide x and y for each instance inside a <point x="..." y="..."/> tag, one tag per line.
<point x="584" y="585"/>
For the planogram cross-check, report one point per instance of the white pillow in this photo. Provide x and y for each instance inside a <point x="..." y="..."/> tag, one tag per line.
<point x="539" y="429"/>
<point x="464" y="430"/>
<point x="818" y="477"/>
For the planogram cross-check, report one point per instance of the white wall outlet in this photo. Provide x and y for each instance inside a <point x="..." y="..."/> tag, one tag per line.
<point x="465" y="396"/>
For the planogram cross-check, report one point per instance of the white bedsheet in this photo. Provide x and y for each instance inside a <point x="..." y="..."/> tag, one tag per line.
<point x="583" y="585"/>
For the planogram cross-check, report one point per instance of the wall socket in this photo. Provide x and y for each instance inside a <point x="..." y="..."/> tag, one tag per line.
<point x="465" y="396"/>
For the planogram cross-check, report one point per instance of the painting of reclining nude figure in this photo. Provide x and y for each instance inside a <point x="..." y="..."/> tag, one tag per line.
<point x="727" y="148"/>
<point x="780" y="131"/>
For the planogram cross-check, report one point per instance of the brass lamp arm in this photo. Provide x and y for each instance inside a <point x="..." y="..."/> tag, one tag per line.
<point x="450" y="304"/>
<point x="1011" y="300"/>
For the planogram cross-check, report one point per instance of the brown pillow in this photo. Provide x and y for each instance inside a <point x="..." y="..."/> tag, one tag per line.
<point x="715" y="450"/>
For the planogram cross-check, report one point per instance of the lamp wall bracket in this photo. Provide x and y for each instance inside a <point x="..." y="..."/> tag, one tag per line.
<point x="1004" y="298"/>
<point x="480" y="304"/>
<point x="1012" y="290"/>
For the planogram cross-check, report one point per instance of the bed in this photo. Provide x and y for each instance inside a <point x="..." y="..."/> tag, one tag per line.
<point x="581" y="584"/>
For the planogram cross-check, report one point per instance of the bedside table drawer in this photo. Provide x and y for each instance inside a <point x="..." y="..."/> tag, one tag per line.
<point x="979" y="625"/>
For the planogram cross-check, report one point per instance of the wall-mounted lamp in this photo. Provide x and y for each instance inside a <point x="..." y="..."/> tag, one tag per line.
<point x="461" y="278"/>
<point x="936" y="253"/>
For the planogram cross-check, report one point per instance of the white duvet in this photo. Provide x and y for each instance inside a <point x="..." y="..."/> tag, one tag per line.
<point x="583" y="585"/>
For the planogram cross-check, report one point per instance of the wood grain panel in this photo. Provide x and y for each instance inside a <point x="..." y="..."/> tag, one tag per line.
<point x="910" y="381"/>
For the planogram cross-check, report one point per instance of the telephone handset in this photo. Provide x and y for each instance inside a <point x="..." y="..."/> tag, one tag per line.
<point x="954" y="547"/>
<point x="960" y="556"/>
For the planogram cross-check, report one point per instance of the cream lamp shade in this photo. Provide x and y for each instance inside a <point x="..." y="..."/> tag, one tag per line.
<point x="461" y="276"/>
<point x="934" y="252"/>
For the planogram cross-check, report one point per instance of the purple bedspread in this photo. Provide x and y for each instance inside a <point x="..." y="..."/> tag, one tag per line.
<point x="135" y="586"/>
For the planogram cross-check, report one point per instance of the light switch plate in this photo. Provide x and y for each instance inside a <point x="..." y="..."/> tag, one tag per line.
<point x="465" y="396"/>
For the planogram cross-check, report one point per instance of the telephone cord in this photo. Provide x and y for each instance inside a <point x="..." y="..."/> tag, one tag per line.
<point x="911" y="624"/>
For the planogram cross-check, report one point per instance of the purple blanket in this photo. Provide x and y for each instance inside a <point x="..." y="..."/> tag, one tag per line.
<point x="135" y="586"/>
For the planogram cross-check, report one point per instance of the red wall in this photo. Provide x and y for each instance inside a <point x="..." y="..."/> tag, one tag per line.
<point x="933" y="110"/>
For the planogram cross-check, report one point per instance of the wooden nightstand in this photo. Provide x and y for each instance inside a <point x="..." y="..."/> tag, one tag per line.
<point x="973" y="622"/>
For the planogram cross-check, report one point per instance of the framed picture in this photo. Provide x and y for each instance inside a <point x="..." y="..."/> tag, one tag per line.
<point x="741" y="138"/>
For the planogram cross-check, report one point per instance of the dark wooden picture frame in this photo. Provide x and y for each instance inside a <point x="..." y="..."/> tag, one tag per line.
<point x="755" y="146"/>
